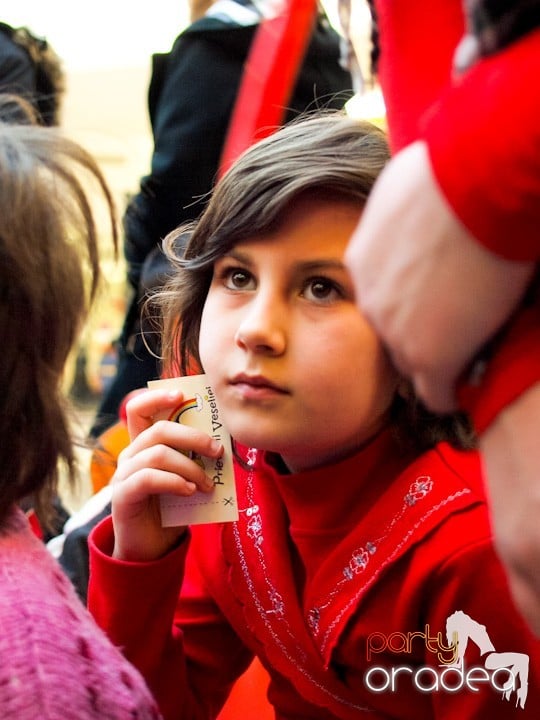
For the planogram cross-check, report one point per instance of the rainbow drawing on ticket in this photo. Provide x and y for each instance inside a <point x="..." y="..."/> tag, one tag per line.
<point x="194" y="403"/>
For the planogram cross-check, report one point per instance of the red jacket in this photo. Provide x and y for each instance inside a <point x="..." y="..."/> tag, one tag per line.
<point x="321" y="568"/>
<point x="483" y="135"/>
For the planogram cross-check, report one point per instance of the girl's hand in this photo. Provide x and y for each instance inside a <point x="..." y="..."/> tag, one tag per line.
<point x="154" y="463"/>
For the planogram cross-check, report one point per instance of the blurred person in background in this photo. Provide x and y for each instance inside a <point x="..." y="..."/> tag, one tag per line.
<point x="31" y="69"/>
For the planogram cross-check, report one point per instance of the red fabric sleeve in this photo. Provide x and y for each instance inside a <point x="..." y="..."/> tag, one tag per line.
<point x="417" y="45"/>
<point x="187" y="653"/>
<point x="514" y="368"/>
<point x="484" y="144"/>
<point x="482" y="128"/>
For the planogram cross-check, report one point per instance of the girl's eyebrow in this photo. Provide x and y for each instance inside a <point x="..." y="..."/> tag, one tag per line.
<point x="322" y="264"/>
<point x="318" y="264"/>
<point x="237" y="255"/>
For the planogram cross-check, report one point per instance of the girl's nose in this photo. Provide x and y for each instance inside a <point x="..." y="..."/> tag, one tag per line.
<point x="262" y="327"/>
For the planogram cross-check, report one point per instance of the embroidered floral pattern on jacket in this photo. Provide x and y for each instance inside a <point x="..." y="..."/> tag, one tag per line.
<point x="388" y="559"/>
<point x="289" y="646"/>
<point x="360" y="557"/>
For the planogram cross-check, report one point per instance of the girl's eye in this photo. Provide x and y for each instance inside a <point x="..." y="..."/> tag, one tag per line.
<point x="321" y="290"/>
<point x="238" y="279"/>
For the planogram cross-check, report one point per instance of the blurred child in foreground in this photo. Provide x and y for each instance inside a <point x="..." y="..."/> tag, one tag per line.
<point x="54" y="661"/>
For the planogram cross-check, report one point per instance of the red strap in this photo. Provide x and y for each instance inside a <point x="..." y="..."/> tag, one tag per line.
<point x="35" y="525"/>
<point x="270" y="72"/>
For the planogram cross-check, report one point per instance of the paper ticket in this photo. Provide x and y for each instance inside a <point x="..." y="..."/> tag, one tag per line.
<point x="199" y="409"/>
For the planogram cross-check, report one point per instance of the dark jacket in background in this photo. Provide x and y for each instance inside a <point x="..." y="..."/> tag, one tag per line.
<point x="17" y="72"/>
<point x="191" y="97"/>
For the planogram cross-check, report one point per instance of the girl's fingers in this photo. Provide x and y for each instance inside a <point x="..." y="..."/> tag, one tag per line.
<point x="133" y="494"/>
<point x="145" y="466"/>
<point x="179" y="437"/>
<point x="143" y="409"/>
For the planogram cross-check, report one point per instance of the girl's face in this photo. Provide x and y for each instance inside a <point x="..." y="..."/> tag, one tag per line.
<point x="296" y="368"/>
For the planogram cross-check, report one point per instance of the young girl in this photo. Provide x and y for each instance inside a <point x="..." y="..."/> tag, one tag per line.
<point x="55" y="663"/>
<point x="362" y="521"/>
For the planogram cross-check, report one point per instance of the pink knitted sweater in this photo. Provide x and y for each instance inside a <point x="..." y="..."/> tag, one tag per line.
<point x="54" y="661"/>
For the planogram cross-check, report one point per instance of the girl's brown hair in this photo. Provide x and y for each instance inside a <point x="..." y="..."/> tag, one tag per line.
<point x="46" y="228"/>
<point x="328" y="155"/>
